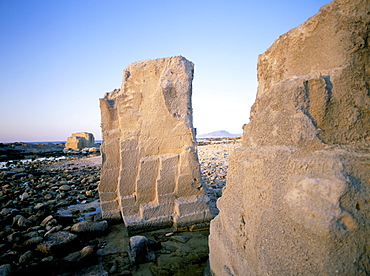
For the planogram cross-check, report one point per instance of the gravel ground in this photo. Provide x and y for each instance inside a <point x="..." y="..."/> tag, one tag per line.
<point x="50" y="221"/>
<point x="214" y="163"/>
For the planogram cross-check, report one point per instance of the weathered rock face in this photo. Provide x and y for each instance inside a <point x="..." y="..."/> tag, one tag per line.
<point x="297" y="195"/>
<point x="150" y="171"/>
<point x="80" y="141"/>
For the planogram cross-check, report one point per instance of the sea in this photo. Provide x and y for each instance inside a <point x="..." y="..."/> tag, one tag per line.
<point x="12" y="163"/>
<point x="52" y="142"/>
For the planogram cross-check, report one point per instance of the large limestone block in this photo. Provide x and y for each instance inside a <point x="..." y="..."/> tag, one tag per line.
<point x="297" y="195"/>
<point x="288" y="212"/>
<point x="80" y="141"/>
<point x="328" y="58"/>
<point x="150" y="165"/>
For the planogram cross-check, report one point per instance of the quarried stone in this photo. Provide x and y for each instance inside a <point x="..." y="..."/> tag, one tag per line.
<point x="150" y="172"/>
<point x="296" y="199"/>
<point x="80" y="140"/>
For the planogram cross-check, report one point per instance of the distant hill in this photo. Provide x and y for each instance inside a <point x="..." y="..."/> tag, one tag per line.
<point x="218" y="134"/>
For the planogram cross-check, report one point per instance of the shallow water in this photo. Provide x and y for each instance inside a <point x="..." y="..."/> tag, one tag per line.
<point x="85" y="210"/>
<point x="13" y="163"/>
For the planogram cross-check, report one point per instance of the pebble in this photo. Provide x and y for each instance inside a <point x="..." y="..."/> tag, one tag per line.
<point x="64" y="188"/>
<point x="32" y="196"/>
<point x="140" y="250"/>
<point x="73" y="257"/>
<point x="47" y="259"/>
<point x="214" y="163"/>
<point x="6" y="211"/>
<point x="46" y="220"/>
<point x="5" y="270"/>
<point x="182" y="239"/>
<point x="32" y="242"/>
<point x="54" y="242"/>
<point x="21" y="221"/>
<point x="53" y="230"/>
<point x="33" y="232"/>
<point x="40" y="205"/>
<point x="90" y="226"/>
<point x="113" y="268"/>
<point x="24" y="196"/>
<point x="87" y="251"/>
<point x="26" y="257"/>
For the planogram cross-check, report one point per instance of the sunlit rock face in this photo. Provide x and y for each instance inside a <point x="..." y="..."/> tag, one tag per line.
<point x="296" y="200"/>
<point x="150" y="172"/>
<point x="80" y="141"/>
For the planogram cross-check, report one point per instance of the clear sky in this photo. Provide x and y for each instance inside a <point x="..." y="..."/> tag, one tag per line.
<point x="58" y="57"/>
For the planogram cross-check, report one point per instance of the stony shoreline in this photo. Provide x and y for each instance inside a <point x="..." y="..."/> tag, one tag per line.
<point x="20" y="150"/>
<point x="14" y="152"/>
<point x="50" y="221"/>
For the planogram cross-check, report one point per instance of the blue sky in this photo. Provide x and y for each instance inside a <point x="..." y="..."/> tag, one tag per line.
<point x="59" y="57"/>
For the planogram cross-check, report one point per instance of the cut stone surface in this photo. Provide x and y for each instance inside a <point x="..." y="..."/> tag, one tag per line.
<point x="296" y="199"/>
<point x="80" y="141"/>
<point x="150" y="171"/>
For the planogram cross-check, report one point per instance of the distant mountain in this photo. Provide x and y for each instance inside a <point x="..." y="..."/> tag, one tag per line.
<point x="218" y="134"/>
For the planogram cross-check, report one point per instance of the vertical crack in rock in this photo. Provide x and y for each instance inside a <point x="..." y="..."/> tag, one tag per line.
<point x="297" y="195"/>
<point x="150" y="171"/>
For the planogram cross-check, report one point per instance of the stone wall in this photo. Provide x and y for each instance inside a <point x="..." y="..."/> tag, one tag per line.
<point x="80" y="141"/>
<point x="296" y="200"/>
<point x="150" y="172"/>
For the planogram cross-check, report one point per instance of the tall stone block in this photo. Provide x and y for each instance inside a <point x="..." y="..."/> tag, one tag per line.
<point x="150" y="164"/>
<point x="297" y="195"/>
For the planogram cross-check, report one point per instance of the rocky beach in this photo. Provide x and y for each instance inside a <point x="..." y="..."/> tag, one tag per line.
<point x="51" y="222"/>
<point x="20" y="150"/>
<point x="286" y="192"/>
